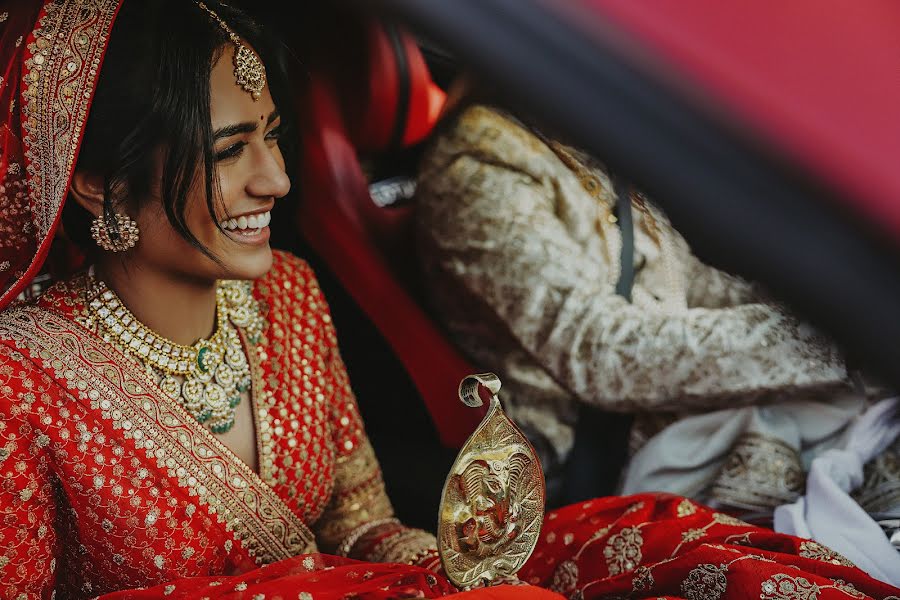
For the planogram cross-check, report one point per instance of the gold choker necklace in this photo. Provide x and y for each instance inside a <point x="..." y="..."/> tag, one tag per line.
<point x="208" y="377"/>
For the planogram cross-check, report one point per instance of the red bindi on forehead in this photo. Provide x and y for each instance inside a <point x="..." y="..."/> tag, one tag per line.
<point x="262" y="117"/>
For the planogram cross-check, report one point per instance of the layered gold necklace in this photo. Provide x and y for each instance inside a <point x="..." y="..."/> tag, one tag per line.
<point x="208" y="377"/>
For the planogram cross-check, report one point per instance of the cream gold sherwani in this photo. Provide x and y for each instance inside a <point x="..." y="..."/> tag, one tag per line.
<point x="522" y="263"/>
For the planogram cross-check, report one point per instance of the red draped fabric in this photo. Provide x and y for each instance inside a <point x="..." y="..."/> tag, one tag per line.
<point x="648" y="546"/>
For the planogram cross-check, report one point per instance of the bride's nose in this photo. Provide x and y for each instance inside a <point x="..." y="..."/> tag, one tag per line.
<point x="269" y="179"/>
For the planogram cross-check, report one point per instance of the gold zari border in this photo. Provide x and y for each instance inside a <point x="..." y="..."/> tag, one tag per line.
<point x="761" y="472"/>
<point x="65" y="53"/>
<point x="358" y="496"/>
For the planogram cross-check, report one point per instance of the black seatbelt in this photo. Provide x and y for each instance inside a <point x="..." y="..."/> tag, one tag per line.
<point x="626" y="228"/>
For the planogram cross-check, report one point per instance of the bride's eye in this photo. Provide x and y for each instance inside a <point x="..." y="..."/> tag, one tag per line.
<point x="274" y="134"/>
<point x="231" y="151"/>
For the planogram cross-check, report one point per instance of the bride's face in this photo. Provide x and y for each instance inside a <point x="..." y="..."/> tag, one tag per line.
<point x="250" y="176"/>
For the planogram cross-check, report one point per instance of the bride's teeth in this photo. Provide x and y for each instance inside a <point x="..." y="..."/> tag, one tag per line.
<point x="251" y="224"/>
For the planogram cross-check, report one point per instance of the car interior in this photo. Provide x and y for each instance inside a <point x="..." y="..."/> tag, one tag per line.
<point x="372" y="94"/>
<point x="353" y="209"/>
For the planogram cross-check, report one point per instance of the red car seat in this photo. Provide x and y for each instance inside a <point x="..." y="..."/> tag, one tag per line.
<point x="391" y="102"/>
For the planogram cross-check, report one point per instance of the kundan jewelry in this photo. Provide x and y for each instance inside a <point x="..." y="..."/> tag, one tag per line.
<point x="125" y="236"/>
<point x="249" y="71"/>
<point x="208" y="377"/>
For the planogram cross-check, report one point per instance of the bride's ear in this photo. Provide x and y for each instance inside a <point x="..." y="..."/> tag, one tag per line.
<point x="88" y="191"/>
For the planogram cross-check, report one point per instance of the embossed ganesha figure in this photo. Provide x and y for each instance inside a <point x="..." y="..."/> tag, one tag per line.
<point x="489" y="517"/>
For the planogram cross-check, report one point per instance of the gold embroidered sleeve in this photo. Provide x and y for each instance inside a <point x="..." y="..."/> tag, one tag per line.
<point x="709" y="287"/>
<point x="399" y="544"/>
<point x="359" y="519"/>
<point x="358" y="499"/>
<point x="358" y="496"/>
<point x="499" y="233"/>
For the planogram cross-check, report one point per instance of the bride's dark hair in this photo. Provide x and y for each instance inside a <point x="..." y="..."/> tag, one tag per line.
<point x="153" y="93"/>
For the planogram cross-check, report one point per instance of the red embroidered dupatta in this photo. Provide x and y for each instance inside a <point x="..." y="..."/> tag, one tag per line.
<point x="51" y="54"/>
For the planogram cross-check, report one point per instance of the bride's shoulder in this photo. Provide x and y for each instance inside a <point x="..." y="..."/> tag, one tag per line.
<point x="290" y="280"/>
<point x="23" y="336"/>
<point x="287" y="264"/>
<point x="293" y="303"/>
<point x="288" y="270"/>
<point x="62" y="299"/>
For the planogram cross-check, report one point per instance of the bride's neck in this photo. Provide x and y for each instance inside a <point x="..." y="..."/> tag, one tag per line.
<point x="175" y="307"/>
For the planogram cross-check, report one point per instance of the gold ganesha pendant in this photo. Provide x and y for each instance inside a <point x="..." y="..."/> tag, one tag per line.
<point x="492" y="506"/>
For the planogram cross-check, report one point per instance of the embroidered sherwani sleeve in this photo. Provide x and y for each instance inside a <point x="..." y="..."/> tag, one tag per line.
<point x="493" y="229"/>
<point x="28" y="543"/>
<point x="359" y="520"/>
<point x="709" y="287"/>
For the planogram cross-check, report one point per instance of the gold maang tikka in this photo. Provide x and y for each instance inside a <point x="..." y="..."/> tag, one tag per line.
<point x="249" y="72"/>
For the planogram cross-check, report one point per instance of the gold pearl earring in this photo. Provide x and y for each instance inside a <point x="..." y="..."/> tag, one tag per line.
<point x="125" y="236"/>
